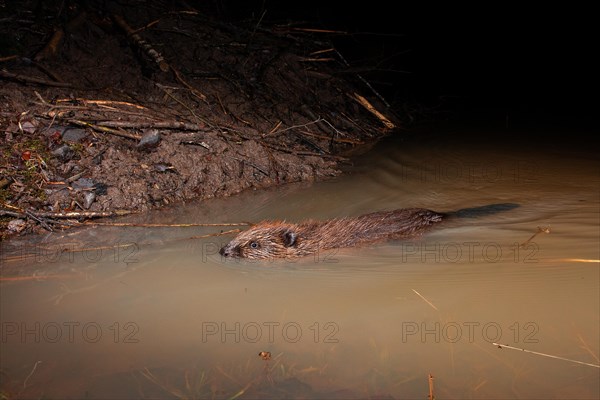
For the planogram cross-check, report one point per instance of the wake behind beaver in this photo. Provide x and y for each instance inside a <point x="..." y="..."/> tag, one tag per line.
<point x="278" y="239"/>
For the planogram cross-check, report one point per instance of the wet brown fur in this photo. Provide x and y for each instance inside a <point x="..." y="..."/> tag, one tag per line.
<point x="278" y="239"/>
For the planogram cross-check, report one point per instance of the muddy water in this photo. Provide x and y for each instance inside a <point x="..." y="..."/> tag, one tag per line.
<point x="116" y="312"/>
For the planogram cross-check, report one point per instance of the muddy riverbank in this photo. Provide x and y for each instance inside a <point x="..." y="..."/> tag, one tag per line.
<point x="111" y="109"/>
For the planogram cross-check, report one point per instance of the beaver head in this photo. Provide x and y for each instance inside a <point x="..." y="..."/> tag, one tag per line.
<point x="265" y="240"/>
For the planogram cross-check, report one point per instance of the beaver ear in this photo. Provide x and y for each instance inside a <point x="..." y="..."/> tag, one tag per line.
<point x="289" y="238"/>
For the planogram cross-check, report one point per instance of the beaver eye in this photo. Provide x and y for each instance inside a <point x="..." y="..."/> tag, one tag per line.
<point x="254" y="245"/>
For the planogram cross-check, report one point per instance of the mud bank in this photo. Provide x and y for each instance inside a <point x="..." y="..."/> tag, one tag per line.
<point x="112" y="108"/>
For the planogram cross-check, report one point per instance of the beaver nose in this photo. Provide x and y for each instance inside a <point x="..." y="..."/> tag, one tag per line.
<point x="224" y="252"/>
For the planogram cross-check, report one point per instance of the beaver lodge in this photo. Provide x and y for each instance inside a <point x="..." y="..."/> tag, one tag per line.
<point x="111" y="108"/>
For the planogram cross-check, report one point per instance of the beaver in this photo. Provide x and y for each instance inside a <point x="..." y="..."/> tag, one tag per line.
<point x="278" y="239"/>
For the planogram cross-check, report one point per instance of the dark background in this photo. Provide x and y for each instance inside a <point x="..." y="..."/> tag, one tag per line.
<point x="531" y="63"/>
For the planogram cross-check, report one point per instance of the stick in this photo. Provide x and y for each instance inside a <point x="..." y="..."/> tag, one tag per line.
<point x="505" y="346"/>
<point x="431" y="396"/>
<point x="52" y="46"/>
<point x="141" y="43"/>
<point x="69" y="214"/>
<point x="366" y="104"/>
<point x="105" y="129"/>
<point x="56" y="40"/>
<point x="427" y="301"/>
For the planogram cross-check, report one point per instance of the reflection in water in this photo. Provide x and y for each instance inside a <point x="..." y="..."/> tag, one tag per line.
<point x="111" y="312"/>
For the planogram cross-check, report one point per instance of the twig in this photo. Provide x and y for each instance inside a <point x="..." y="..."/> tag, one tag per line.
<point x="340" y="140"/>
<point x="30" y="374"/>
<point x="76" y="176"/>
<point x="586" y="347"/>
<point x="320" y="121"/>
<point x="147" y="26"/>
<point x="330" y="125"/>
<point x="316" y="121"/>
<point x="163" y="225"/>
<point x="427" y="301"/>
<point x="242" y="391"/>
<point x="164" y="89"/>
<point x="8" y="58"/>
<point x="194" y="143"/>
<point x="306" y="59"/>
<point x="316" y="30"/>
<point x="480" y="385"/>
<point x="540" y="230"/>
<point x="188" y="126"/>
<point x="285" y="150"/>
<point x="39" y="220"/>
<point x="274" y="129"/>
<point x="45" y="70"/>
<point x="102" y="102"/>
<point x="274" y="165"/>
<point x="164" y="386"/>
<point x="192" y="89"/>
<point x="221" y="104"/>
<point x="229" y="232"/>
<point x="505" y="346"/>
<point x="314" y="53"/>
<point x="251" y="164"/>
<point x="375" y="92"/>
<point x="29" y="79"/>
